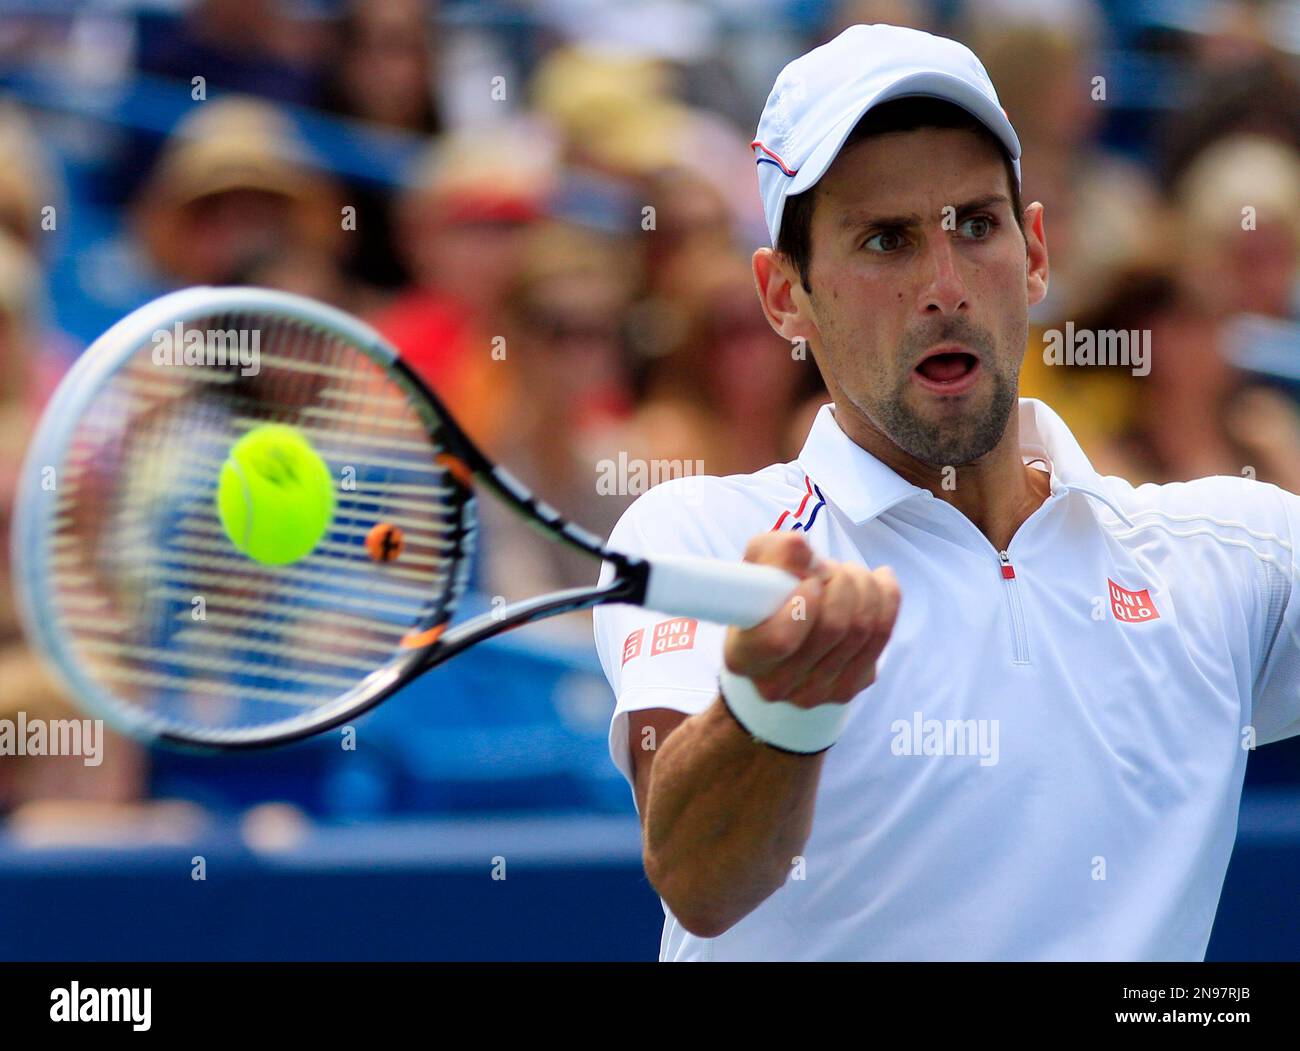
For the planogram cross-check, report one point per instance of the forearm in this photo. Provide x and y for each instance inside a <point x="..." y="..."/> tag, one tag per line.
<point x="725" y="817"/>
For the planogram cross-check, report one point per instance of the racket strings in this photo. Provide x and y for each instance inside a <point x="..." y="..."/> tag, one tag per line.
<point x="169" y="618"/>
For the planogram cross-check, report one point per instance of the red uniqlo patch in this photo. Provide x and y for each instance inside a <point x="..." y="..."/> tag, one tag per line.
<point x="1131" y="606"/>
<point x="632" y="644"/>
<point x="670" y="636"/>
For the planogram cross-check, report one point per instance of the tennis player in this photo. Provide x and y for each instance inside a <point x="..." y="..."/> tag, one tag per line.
<point x="1025" y="739"/>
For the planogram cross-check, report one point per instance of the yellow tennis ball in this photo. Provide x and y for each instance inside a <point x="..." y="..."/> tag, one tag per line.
<point x="275" y="497"/>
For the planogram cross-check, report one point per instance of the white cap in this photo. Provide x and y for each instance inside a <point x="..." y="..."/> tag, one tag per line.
<point x="819" y="98"/>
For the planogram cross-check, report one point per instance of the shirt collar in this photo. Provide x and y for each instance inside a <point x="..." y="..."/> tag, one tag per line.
<point x="863" y="487"/>
<point x="1043" y="433"/>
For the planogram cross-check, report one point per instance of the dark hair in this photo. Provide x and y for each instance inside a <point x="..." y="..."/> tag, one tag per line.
<point x="794" y="240"/>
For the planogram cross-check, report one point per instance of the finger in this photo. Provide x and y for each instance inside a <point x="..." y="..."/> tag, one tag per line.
<point x="860" y="672"/>
<point x="831" y="623"/>
<point x="887" y="614"/>
<point x="788" y="551"/>
<point x="781" y="634"/>
<point x="822" y="677"/>
<point x="759" y="649"/>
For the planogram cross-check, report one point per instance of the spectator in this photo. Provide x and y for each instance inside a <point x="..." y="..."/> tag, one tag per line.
<point x="463" y="227"/>
<point x="1095" y="202"/>
<point x="720" y="382"/>
<point x="1226" y="264"/>
<point x="385" y="68"/>
<point x="1202" y="274"/>
<point x="1242" y="195"/>
<point x="564" y="342"/>
<point x="234" y="190"/>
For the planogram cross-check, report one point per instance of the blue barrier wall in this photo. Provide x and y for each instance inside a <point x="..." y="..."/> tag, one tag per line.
<point x="419" y="889"/>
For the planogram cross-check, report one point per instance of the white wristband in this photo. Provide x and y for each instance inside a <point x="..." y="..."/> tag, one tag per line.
<point x="804" y="731"/>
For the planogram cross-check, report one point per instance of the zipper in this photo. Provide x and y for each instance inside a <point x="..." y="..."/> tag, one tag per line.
<point x="1019" y="636"/>
<point x="1019" y="633"/>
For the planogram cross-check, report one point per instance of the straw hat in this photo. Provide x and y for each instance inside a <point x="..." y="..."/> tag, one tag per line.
<point x="614" y="110"/>
<point x="503" y="171"/>
<point x="232" y="144"/>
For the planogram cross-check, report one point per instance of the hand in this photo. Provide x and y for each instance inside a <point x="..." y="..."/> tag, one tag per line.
<point x="822" y="645"/>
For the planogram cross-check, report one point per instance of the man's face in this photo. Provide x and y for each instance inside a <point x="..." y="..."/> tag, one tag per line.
<point x="921" y="285"/>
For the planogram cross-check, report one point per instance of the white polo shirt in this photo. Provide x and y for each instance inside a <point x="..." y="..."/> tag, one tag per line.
<point x="1050" y="762"/>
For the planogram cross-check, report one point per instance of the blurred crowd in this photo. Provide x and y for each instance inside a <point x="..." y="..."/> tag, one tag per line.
<point x="566" y="260"/>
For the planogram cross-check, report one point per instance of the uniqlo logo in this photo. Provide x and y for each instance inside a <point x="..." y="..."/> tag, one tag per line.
<point x="670" y="636"/>
<point x="632" y="644"/>
<point x="1131" y="607"/>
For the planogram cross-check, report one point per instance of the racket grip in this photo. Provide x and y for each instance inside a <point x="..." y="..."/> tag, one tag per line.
<point x="738" y="593"/>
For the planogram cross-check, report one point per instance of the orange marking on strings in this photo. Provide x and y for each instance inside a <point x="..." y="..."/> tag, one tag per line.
<point x="423" y="638"/>
<point x="457" y="468"/>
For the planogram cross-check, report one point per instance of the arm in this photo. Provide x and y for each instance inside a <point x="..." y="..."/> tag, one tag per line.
<point x="723" y="815"/>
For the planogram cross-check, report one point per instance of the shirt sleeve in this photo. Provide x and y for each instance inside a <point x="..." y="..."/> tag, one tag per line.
<point x="1276" y="710"/>
<point x="653" y="660"/>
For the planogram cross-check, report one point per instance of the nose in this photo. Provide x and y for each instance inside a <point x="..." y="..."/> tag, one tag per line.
<point x="944" y="291"/>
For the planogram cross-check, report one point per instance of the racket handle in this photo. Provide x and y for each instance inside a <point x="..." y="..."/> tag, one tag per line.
<point x="738" y="593"/>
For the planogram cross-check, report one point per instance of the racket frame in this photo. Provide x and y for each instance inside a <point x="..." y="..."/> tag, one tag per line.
<point x="433" y="638"/>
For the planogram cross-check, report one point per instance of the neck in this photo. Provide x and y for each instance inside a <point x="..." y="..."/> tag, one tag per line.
<point x="997" y="492"/>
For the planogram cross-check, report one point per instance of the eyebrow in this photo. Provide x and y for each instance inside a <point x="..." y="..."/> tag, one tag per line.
<point x="859" y="220"/>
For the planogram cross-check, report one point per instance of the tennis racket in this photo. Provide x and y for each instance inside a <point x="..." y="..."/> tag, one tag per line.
<point x="158" y="624"/>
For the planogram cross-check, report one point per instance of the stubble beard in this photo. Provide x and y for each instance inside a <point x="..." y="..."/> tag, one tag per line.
<point x="964" y="437"/>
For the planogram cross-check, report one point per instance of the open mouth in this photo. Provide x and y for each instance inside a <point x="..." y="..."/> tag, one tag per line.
<point x="948" y="371"/>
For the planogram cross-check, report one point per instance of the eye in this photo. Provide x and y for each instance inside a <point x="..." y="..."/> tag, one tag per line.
<point x="885" y="241"/>
<point x="979" y="227"/>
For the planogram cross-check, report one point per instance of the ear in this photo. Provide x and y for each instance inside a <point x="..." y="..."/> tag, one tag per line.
<point x="1036" y="268"/>
<point x="786" y="305"/>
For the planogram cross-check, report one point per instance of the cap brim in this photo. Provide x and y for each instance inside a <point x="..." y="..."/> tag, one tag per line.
<point x="926" y="84"/>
